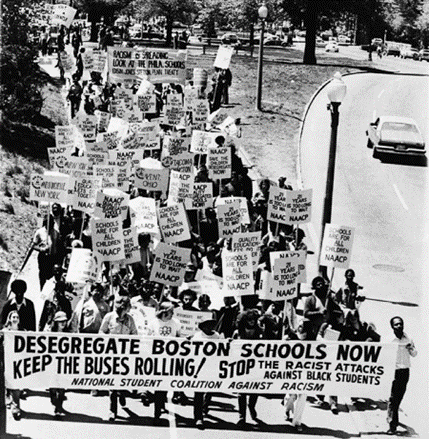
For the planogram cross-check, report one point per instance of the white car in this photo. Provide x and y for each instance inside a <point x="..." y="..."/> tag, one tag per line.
<point x="395" y="135"/>
<point x="332" y="47"/>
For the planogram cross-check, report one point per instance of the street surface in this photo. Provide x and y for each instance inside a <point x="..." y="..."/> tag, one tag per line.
<point x="387" y="256"/>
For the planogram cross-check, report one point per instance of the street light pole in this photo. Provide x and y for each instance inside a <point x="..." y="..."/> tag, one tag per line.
<point x="262" y="12"/>
<point x="336" y="90"/>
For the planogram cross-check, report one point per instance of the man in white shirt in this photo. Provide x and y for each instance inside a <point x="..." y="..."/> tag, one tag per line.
<point x="406" y="349"/>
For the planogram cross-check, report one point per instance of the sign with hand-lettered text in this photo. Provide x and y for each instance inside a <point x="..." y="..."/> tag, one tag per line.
<point x="173" y="223"/>
<point x="143" y="215"/>
<point x="202" y="196"/>
<point x="83" y="266"/>
<point x="189" y="320"/>
<point x="108" y="239"/>
<point x="180" y="188"/>
<point x="51" y="188"/>
<point x="131" y="246"/>
<point x="111" y="203"/>
<point x="248" y="241"/>
<point x="169" y="264"/>
<point x="229" y="219"/>
<point x="151" y="179"/>
<point x="237" y="273"/>
<point x="85" y="191"/>
<point x="219" y="162"/>
<point x="337" y="246"/>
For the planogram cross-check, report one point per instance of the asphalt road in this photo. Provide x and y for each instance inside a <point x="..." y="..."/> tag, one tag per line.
<point x="385" y="202"/>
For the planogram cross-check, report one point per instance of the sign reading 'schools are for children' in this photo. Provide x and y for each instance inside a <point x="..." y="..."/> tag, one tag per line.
<point x="337" y="246"/>
<point x="237" y="273"/>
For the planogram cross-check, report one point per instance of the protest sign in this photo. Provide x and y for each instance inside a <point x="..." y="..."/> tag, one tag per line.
<point x="65" y="137"/>
<point x="285" y="271"/>
<point x="85" y="192"/>
<point x="103" y="118"/>
<point x="87" y="124"/>
<point x="180" y="188"/>
<point x="237" y="273"/>
<point x="201" y="198"/>
<point x="297" y="255"/>
<point x="299" y="206"/>
<point x="223" y="57"/>
<point x="201" y="141"/>
<point x="88" y="60"/>
<point x="99" y="58"/>
<point x="108" y="175"/>
<point x="66" y="62"/>
<point x="50" y="360"/>
<point x="129" y="141"/>
<point x="143" y="215"/>
<point x="62" y="15"/>
<point x="190" y="97"/>
<point x="337" y="246"/>
<point x="146" y="102"/>
<point x="189" y="320"/>
<point x="119" y="125"/>
<point x="229" y="127"/>
<point x="125" y="95"/>
<point x="83" y="266"/>
<point x="110" y="138"/>
<point x="200" y="112"/>
<point x="183" y="162"/>
<point x="111" y="203"/>
<point x="52" y="187"/>
<point x="173" y="110"/>
<point x="117" y="108"/>
<point x="248" y="241"/>
<point x="219" y="162"/>
<point x="124" y="175"/>
<point x="229" y="219"/>
<point x="131" y="246"/>
<point x="277" y="205"/>
<point x="174" y="145"/>
<point x="169" y="264"/>
<point x="173" y="223"/>
<point x="142" y="315"/>
<point x="96" y="158"/>
<point x="155" y="65"/>
<point x="151" y="179"/>
<point x="71" y="165"/>
<point x="108" y="239"/>
<point x="242" y="202"/>
<point x="209" y="283"/>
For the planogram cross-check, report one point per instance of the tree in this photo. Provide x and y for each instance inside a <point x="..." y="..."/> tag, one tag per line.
<point x="100" y="9"/>
<point x="171" y="10"/>
<point x="20" y="98"/>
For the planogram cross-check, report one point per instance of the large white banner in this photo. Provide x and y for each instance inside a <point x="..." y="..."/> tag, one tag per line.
<point x="155" y="65"/>
<point x="40" y="360"/>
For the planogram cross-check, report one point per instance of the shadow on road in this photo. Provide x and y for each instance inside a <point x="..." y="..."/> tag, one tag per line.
<point x="404" y="160"/>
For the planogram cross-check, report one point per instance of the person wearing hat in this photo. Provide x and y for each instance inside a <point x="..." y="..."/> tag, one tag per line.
<point x="57" y="395"/>
<point x="201" y="399"/>
<point x="163" y="325"/>
<point x="118" y="321"/>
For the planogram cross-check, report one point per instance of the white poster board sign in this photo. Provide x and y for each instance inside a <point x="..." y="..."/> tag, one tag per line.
<point x="337" y="246"/>
<point x="223" y="57"/>
<point x="173" y="223"/>
<point x="83" y="266"/>
<point x="143" y="215"/>
<point x="108" y="239"/>
<point x="237" y="273"/>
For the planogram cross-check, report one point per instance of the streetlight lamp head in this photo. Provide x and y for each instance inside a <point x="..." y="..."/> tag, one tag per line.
<point x="263" y="12"/>
<point x="336" y="89"/>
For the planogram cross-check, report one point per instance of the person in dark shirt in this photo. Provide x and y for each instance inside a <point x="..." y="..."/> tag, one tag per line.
<point x="24" y="306"/>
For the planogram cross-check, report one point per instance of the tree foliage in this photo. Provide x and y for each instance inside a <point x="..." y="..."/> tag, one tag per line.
<point x="20" y="98"/>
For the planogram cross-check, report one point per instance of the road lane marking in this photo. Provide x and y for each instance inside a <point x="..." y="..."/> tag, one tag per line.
<point x="381" y="93"/>
<point x="401" y="199"/>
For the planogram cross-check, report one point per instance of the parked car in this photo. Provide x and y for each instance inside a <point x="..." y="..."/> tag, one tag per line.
<point x="395" y="135"/>
<point x="273" y="40"/>
<point x="409" y="53"/>
<point x="344" y="40"/>
<point x="332" y="47"/>
<point x="230" y="39"/>
<point x="424" y="55"/>
<point x="320" y="42"/>
<point x="377" y="42"/>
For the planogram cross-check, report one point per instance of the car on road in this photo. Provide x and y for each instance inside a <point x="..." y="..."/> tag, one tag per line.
<point x="320" y="42"/>
<point x="409" y="53"/>
<point x="377" y="42"/>
<point x="332" y="46"/>
<point x="274" y="40"/>
<point x="424" y="55"/>
<point x="230" y="39"/>
<point x="395" y="135"/>
<point x="344" y="40"/>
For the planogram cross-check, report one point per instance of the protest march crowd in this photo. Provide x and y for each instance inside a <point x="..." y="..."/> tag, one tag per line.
<point x="151" y="227"/>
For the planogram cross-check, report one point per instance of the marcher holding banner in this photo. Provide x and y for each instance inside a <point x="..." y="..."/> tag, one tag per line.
<point x="118" y="322"/>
